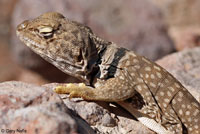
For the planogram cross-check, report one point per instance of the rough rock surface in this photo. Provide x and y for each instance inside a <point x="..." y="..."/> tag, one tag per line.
<point x="32" y="109"/>
<point x="185" y="66"/>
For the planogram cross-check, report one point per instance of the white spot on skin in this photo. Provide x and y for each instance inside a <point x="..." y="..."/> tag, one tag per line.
<point x="161" y="84"/>
<point x="165" y="105"/>
<point x="173" y="101"/>
<point x="146" y="75"/>
<point x="133" y="68"/>
<point x="177" y="85"/>
<point x="147" y="94"/>
<point x="157" y="67"/>
<point x="196" y="112"/>
<point x="139" y="80"/>
<point x="148" y="98"/>
<point x="171" y="88"/>
<point x="169" y="94"/>
<point x="152" y="85"/>
<point x="121" y="77"/>
<point x="147" y="68"/>
<point x="135" y="61"/>
<point x="162" y="93"/>
<point x="180" y="111"/>
<point x="171" y="111"/>
<point x="156" y="97"/>
<point x="152" y="76"/>
<point x="187" y="113"/>
<point x="180" y="94"/>
<point x="190" y="119"/>
<point x="145" y="112"/>
<point x="196" y="126"/>
<point x="133" y="54"/>
<point x="139" y="87"/>
<point x="179" y="99"/>
<point x="132" y="74"/>
<point x="183" y="106"/>
<point x="195" y="120"/>
<point x="145" y="87"/>
<point x="166" y="81"/>
<point x="137" y="66"/>
<point x="144" y="59"/>
<point x="159" y="75"/>
<point x="189" y="106"/>
<point x="128" y="63"/>
<point x="166" y="100"/>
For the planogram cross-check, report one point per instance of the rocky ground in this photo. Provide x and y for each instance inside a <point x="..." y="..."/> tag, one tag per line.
<point x="154" y="28"/>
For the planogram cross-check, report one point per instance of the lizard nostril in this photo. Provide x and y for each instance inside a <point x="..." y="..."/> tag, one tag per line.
<point x="23" y="25"/>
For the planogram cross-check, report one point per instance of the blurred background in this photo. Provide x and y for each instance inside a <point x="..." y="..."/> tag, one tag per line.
<point x="153" y="28"/>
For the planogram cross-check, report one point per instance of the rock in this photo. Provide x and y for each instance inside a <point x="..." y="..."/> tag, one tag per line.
<point x="183" y="19"/>
<point x="185" y="66"/>
<point x="36" y="109"/>
<point x="33" y="109"/>
<point x="185" y="37"/>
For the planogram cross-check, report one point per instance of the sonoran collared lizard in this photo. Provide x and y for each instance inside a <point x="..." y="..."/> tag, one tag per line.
<point x="112" y="74"/>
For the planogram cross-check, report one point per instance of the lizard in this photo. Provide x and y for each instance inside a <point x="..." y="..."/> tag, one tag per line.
<point x="112" y="74"/>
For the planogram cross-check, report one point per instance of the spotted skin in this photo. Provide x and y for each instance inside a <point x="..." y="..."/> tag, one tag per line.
<point x="112" y="74"/>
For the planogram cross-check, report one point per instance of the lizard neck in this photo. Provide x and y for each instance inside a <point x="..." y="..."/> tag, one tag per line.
<point x="99" y="43"/>
<point x="100" y="47"/>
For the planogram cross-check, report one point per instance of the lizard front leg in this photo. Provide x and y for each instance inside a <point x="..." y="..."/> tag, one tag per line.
<point x="110" y="90"/>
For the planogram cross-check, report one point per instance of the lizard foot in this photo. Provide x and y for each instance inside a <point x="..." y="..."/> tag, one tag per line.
<point x="69" y="88"/>
<point x="74" y="90"/>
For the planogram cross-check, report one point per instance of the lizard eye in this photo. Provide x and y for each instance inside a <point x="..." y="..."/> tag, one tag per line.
<point x="46" y="31"/>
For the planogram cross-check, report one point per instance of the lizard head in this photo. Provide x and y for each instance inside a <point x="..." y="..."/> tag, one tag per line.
<point x="64" y="43"/>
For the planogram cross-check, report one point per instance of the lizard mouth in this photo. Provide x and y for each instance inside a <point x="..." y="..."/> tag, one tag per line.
<point x="27" y="41"/>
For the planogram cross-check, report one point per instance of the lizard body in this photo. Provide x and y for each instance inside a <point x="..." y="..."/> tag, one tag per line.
<point x="112" y="74"/>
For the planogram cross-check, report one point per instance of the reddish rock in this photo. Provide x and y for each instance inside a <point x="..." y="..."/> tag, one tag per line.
<point x="183" y="19"/>
<point x="186" y="37"/>
<point x="35" y="109"/>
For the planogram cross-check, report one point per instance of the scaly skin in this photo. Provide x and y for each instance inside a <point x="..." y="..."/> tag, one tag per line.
<point x="112" y="74"/>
